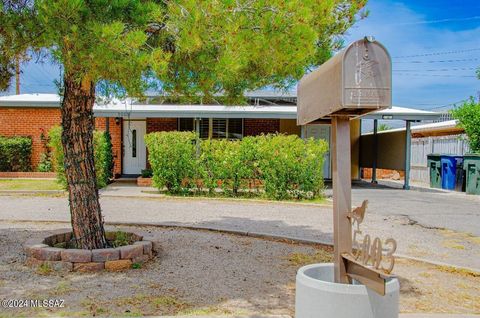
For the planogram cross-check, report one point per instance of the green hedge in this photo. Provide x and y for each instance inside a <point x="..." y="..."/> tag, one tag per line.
<point x="279" y="166"/>
<point x="172" y="158"/>
<point x="15" y="154"/>
<point x="102" y="151"/>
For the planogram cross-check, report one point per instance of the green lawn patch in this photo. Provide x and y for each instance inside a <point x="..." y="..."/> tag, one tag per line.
<point x="29" y="184"/>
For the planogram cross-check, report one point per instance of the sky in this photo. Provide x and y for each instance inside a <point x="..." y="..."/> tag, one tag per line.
<point x="418" y="35"/>
<point x="435" y="47"/>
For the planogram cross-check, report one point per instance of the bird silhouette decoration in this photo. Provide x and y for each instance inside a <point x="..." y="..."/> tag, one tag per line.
<point x="357" y="215"/>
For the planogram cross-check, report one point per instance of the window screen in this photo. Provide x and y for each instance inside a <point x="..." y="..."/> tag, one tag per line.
<point x="186" y="124"/>
<point x="219" y="128"/>
<point x="204" y="128"/>
<point x="235" y="128"/>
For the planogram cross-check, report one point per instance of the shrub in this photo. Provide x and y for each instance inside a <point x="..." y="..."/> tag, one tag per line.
<point x="291" y="167"/>
<point x="15" y="154"/>
<point x="45" y="164"/>
<point x="102" y="146"/>
<point x="55" y="143"/>
<point x="146" y="173"/>
<point x="468" y="116"/>
<point x="103" y="156"/>
<point x="287" y="166"/>
<point x="172" y="156"/>
<point x="225" y="161"/>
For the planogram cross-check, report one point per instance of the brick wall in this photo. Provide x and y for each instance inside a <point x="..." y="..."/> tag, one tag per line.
<point x="30" y="122"/>
<point x="383" y="174"/>
<point x="116" y="134"/>
<point x="161" y="124"/>
<point x="254" y="127"/>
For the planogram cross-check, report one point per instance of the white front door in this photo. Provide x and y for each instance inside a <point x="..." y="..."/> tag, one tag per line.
<point x="322" y="131"/>
<point x="135" y="151"/>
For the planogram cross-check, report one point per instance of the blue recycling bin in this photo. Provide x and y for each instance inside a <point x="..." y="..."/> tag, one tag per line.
<point x="451" y="174"/>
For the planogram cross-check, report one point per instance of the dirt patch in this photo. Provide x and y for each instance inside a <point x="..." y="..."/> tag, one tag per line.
<point x="437" y="289"/>
<point x="206" y="273"/>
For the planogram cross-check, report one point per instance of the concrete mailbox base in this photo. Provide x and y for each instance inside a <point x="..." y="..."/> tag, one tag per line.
<point x="317" y="296"/>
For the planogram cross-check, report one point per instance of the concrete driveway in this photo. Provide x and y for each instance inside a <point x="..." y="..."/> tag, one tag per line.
<point x="454" y="211"/>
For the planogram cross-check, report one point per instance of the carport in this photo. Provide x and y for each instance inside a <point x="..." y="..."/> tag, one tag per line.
<point x="391" y="149"/>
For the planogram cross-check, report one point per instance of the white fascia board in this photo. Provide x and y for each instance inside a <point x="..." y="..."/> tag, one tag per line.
<point x="198" y="111"/>
<point x="30" y="100"/>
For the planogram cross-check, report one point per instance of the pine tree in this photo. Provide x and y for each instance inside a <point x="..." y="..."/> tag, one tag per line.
<point x="189" y="49"/>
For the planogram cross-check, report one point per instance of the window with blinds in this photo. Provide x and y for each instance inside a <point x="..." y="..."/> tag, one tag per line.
<point x="204" y="128"/>
<point x="216" y="128"/>
<point x="219" y="128"/>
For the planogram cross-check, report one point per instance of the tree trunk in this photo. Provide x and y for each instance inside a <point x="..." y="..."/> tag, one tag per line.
<point x="77" y="140"/>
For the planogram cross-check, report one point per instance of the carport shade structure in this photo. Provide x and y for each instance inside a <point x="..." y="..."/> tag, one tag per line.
<point x="408" y="115"/>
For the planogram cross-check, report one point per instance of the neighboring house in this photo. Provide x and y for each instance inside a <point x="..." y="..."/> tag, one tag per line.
<point x="128" y="121"/>
<point x="445" y="137"/>
<point x="440" y="138"/>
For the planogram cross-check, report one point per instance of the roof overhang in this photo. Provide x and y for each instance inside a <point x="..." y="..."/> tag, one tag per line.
<point x="31" y="100"/>
<point x="196" y="111"/>
<point x="402" y="113"/>
<point x="121" y="109"/>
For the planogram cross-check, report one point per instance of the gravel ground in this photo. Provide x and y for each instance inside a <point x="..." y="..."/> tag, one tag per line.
<point x="294" y="220"/>
<point x="206" y="273"/>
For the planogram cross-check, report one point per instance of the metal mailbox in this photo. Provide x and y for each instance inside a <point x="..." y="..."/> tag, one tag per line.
<point x="356" y="81"/>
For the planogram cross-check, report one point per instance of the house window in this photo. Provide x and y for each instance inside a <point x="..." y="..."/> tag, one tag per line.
<point x="186" y="124"/>
<point x="216" y="128"/>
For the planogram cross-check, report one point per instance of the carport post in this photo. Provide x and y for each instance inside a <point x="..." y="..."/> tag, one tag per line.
<point x="375" y="151"/>
<point x="408" y="154"/>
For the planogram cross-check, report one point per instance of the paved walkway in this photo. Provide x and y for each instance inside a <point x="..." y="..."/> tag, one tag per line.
<point x="412" y="218"/>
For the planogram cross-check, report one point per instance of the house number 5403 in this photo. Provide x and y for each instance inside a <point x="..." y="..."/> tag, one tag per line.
<point x="368" y="252"/>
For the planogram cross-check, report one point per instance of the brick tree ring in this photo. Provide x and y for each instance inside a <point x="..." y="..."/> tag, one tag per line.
<point x="53" y="251"/>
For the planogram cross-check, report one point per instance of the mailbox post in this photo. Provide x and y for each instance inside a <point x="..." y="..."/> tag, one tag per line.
<point x="342" y="203"/>
<point x="354" y="82"/>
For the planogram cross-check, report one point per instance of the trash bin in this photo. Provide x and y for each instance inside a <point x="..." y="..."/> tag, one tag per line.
<point x="451" y="176"/>
<point x="435" y="170"/>
<point x="471" y="164"/>
<point x="460" y="186"/>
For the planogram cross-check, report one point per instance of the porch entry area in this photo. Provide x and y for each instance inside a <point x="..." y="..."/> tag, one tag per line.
<point x="134" y="149"/>
<point x="322" y="131"/>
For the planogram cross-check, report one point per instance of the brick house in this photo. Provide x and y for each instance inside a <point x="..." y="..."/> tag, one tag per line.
<point x="128" y="121"/>
<point x="35" y="114"/>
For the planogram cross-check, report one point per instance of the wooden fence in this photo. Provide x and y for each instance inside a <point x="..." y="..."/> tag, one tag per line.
<point x="421" y="147"/>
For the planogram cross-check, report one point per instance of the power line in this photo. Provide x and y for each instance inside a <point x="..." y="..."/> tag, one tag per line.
<point x="446" y="105"/>
<point x="440" y="70"/>
<point x="440" y="61"/>
<point x="437" y="53"/>
<point x="433" y="75"/>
